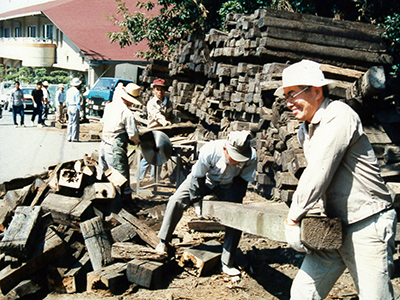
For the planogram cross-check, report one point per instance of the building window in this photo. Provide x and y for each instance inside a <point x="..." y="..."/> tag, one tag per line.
<point x="48" y="31"/>
<point x="17" y="32"/>
<point x="32" y="31"/>
<point x="7" y="32"/>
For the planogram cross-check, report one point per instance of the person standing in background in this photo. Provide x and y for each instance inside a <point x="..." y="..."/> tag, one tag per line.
<point x="17" y="99"/>
<point x="46" y="100"/>
<point x="60" y="104"/>
<point x="73" y="101"/>
<point x="37" y="98"/>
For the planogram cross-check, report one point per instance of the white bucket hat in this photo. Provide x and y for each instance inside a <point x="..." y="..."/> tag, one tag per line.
<point x="305" y="72"/>
<point x="238" y="145"/>
<point x="75" y="81"/>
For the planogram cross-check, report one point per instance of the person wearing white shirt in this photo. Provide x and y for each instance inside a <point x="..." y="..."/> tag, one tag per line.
<point x="119" y="129"/>
<point x="60" y="104"/>
<point x="73" y="101"/>
<point x="224" y="169"/>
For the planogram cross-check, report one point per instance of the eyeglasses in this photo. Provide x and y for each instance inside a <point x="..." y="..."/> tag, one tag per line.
<point x="290" y="98"/>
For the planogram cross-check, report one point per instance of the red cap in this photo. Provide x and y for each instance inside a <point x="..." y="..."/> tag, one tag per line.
<point x="159" y="82"/>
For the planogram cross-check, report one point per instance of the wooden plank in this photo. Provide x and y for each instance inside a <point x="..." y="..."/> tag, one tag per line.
<point x="204" y="257"/>
<point x="130" y="251"/>
<point x="205" y="225"/>
<point x="97" y="243"/>
<point x="75" y="279"/>
<point x="23" y="289"/>
<point x="115" y="177"/>
<point x="48" y="248"/>
<point x="112" y="278"/>
<point x="320" y="233"/>
<point x="263" y="219"/>
<point x="147" y="234"/>
<point x="148" y="274"/>
<point x="336" y="52"/>
<point x="19" y="183"/>
<point x="99" y="190"/>
<point x="21" y="231"/>
<point x="67" y="210"/>
<point x="123" y="233"/>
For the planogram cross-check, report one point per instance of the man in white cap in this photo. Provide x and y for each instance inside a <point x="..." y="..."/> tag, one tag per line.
<point x="73" y="101"/>
<point x="343" y="171"/>
<point x="119" y="128"/>
<point x="224" y="169"/>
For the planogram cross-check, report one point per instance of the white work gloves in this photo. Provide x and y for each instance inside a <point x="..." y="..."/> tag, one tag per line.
<point x="34" y="105"/>
<point x="292" y="234"/>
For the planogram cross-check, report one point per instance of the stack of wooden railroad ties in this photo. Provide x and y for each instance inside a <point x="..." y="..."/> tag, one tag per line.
<point x="66" y="231"/>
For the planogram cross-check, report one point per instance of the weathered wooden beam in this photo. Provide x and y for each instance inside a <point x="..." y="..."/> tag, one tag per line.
<point x="148" y="274"/>
<point x="204" y="257"/>
<point x="263" y="219"/>
<point x="147" y="234"/>
<point x="97" y="243"/>
<point x="130" y="251"/>
<point x="320" y="233"/>
<point x="18" y="238"/>
<point x="75" y="279"/>
<point x="112" y="278"/>
<point x="48" y="248"/>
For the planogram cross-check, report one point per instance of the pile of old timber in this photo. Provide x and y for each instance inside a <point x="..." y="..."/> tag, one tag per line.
<point x="65" y="231"/>
<point x="227" y="80"/>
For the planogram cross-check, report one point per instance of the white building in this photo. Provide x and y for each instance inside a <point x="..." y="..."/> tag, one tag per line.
<point x="63" y="34"/>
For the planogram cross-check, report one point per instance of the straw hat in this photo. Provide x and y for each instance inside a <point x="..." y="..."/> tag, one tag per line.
<point x="130" y="93"/>
<point x="305" y="72"/>
<point x="75" y="81"/>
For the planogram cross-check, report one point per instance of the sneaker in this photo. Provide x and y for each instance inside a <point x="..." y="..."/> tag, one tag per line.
<point x="40" y="125"/>
<point x="23" y="125"/>
<point x="229" y="270"/>
<point x="32" y="124"/>
<point x="15" y="126"/>
<point x="161" y="248"/>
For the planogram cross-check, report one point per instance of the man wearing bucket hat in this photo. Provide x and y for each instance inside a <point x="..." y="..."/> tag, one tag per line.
<point x="343" y="171"/>
<point x="224" y="168"/>
<point x="119" y="128"/>
<point x="159" y="113"/>
<point x="73" y="101"/>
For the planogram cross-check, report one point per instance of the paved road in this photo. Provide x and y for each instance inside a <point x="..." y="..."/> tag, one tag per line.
<point x="31" y="150"/>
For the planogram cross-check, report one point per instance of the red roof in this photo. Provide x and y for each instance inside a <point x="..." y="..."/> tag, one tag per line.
<point x="86" y="25"/>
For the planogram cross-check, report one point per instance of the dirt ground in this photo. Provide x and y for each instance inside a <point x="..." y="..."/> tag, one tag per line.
<point x="268" y="267"/>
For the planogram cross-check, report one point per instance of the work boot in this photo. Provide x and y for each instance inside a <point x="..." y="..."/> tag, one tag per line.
<point x="229" y="270"/>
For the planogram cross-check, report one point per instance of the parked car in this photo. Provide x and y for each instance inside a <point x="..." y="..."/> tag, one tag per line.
<point x="5" y="92"/>
<point x="28" y="97"/>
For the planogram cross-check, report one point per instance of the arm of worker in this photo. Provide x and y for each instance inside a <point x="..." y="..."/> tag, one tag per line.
<point x="197" y="185"/>
<point x="325" y="155"/>
<point x="154" y="112"/>
<point x="131" y="128"/>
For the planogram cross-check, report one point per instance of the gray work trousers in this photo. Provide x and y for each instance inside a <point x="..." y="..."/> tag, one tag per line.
<point x="180" y="201"/>
<point x="367" y="252"/>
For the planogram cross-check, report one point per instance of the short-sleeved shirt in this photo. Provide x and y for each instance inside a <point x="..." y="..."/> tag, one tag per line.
<point x="37" y="96"/>
<point x="212" y="164"/>
<point x="17" y="97"/>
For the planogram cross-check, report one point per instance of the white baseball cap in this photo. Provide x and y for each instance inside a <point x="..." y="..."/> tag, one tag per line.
<point x="238" y="145"/>
<point x="305" y="72"/>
